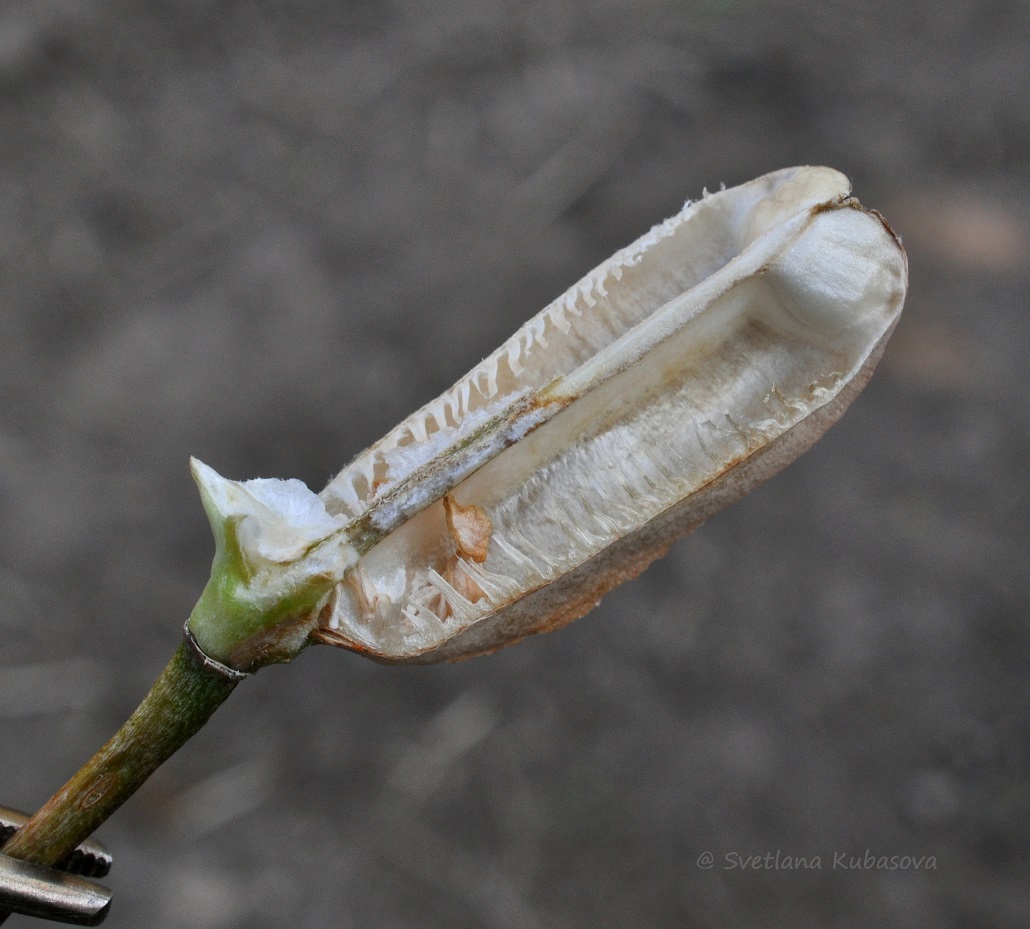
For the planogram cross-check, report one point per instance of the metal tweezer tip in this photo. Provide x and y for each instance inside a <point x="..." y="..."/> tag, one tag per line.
<point x="61" y="894"/>
<point x="35" y="890"/>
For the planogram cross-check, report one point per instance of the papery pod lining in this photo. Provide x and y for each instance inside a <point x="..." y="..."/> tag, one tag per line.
<point x="703" y="366"/>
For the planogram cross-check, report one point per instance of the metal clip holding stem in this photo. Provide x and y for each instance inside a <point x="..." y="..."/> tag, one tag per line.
<point x="63" y="894"/>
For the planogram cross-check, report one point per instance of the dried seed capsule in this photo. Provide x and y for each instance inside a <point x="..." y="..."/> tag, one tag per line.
<point x="670" y="381"/>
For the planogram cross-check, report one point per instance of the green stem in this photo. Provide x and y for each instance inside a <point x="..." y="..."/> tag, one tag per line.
<point x="180" y="702"/>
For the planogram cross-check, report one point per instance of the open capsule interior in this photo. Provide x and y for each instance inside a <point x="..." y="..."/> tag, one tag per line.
<point x="673" y="362"/>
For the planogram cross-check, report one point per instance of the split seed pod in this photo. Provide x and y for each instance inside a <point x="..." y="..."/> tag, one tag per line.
<point x="672" y="379"/>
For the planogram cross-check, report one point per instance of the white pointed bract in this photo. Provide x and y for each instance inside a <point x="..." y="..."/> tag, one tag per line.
<point x="672" y="379"/>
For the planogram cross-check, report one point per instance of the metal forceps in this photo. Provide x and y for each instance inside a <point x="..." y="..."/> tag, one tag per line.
<point x="65" y="893"/>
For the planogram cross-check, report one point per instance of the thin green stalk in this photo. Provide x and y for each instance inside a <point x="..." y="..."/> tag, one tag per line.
<point x="249" y="615"/>
<point x="180" y="702"/>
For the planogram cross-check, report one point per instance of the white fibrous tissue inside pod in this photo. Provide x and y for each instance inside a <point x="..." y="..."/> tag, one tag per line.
<point x="687" y="368"/>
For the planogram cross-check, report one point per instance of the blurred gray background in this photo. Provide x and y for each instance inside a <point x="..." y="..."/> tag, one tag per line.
<point x="261" y="233"/>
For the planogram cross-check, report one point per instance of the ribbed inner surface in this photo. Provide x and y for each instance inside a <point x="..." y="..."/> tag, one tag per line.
<point x="618" y="295"/>
<point x="610" y="463"/>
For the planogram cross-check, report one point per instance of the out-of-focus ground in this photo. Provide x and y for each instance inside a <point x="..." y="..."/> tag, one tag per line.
<point x="261" y="233"/>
